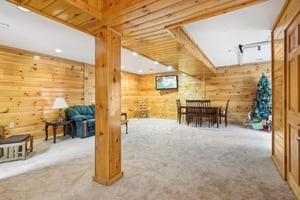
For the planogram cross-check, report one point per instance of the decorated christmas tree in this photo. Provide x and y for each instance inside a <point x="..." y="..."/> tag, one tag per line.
<point x="262" y="102"/>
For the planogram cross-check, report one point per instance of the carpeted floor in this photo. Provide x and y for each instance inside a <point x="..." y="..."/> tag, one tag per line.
<point x="161" y="160"/>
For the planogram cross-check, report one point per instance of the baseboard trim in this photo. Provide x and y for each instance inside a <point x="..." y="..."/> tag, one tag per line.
<point x="108" y="182"/>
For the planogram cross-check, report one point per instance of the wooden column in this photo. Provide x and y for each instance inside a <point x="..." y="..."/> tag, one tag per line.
<point x="108" y="107"/>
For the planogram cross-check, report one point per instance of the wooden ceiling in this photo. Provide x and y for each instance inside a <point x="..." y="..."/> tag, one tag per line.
<point x="150" y="27"/>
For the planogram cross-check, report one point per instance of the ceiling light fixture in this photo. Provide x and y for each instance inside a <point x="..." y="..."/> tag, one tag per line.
<point x="155" y="63"/>
<point x="122" y="67"/>
<point x="36" y="57"/>
<point x="58" y="50"/>
<point x="170" y="67"/>
<point x="134" y="54"/>
<point x="23" y="9"/>
<point x="140" y="71"/>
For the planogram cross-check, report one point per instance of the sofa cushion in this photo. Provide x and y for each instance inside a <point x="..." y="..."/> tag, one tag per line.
<point x="84" y="110"/>
<point x="79" y="118"/>
<point x="70" y="112"/>
<point x="90" y="116"/>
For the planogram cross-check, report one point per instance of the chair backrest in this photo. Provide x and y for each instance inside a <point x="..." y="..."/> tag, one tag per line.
<point x="198" y="103"/>
<point x="178" y="105"/>
<point x="194" y="106"/>
<point x="226" y="108"/>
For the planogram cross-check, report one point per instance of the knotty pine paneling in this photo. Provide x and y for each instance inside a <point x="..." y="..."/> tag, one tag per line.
<point x="162" y="103"/>
<point x="239" y="84"/>
<point x="130" y="93"/>
<point x="28" y="88"/>
<point x="129" y="90"/>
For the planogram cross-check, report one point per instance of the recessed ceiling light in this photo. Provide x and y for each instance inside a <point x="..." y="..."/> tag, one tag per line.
<point x="170" y="67"/>
<point x="4" y="25"/>
<point x="140" y="71"/>
<point x="183" y="74"/>
<point x="36" y="57"/>
<point x="134" y="54"/>
<point x="122" y="67"/>
<point x="155" y="63"/>
<point x="23" y="9"/>
<point x="58" y="50"/>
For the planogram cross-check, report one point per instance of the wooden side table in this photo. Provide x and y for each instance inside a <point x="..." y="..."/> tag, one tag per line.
<point x="56" y="124"/>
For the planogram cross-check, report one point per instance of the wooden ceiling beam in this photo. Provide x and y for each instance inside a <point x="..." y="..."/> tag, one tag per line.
<point x="92" y="7"/>
<point x="113" y="9"/>
<point x="182" y="37"/>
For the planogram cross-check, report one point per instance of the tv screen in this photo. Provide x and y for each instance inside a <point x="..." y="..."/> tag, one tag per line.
<point x="166" y="82"/>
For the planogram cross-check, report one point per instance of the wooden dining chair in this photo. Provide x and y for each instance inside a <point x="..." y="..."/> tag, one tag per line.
<point x="224" y="113"/>
<point x="204" y="103"/>
<point x="201" y="113"/>
<point x="180" y="111"/>
<point x="192" y="111"/>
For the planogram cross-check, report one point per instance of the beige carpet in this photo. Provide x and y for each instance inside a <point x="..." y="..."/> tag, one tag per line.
<point x="161" y="161"/>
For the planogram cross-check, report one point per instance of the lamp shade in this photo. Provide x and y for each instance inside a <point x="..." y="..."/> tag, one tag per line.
<point x="59" y="103"/>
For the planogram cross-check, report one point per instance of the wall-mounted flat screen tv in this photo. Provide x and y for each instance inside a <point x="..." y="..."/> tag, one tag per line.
<point x="166" y="82"/>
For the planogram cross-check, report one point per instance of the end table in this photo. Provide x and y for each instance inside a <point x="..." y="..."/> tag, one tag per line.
<point x="55" y="124"/>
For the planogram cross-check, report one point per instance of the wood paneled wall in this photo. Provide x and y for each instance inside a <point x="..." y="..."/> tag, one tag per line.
<point x="239" y="84"/>
<point x="279" y="150"/>
<point x="130" y="93"/>
<point x="162" y="103"/>
<point x="28" y="88"/>
<point x="129" y="90"/>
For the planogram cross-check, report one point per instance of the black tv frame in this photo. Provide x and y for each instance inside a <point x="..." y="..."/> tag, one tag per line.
<point x="166" y="88"/>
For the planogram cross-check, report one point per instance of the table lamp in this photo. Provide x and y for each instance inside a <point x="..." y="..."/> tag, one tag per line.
<point x="60" y="103"/>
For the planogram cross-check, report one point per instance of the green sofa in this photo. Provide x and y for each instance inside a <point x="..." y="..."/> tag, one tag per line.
<point x="84" y="118"/>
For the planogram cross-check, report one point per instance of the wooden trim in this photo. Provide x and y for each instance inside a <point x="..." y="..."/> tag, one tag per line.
<point x="182" y="37"/>
<point x="282" y="11"/>
<point x="294" y="186"/>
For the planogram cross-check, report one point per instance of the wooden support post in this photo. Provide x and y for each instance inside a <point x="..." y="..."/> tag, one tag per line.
<point x="108" y="107"/>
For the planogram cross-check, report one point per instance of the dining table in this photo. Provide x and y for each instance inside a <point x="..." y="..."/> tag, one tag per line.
<point x="201" y="112"/>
